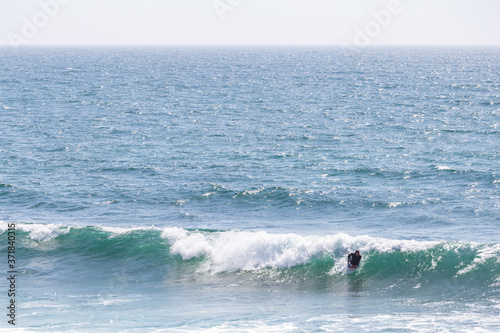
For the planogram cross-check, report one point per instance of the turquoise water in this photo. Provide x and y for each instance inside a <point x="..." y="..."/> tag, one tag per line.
<point x="221" y="189"/>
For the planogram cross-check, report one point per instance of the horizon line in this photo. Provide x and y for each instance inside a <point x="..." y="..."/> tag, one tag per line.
<point x="252" y="45"/>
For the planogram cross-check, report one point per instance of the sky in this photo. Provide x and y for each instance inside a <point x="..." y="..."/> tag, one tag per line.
<point x="261" y="22"/>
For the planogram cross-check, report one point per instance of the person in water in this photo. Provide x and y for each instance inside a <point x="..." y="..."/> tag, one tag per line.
<point x="353" y="259"/>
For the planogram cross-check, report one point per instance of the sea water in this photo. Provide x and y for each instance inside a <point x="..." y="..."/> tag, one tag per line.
<point x="220" y="189"/>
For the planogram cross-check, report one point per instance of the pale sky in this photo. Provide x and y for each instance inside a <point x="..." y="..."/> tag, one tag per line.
<point x="326" y="22"/>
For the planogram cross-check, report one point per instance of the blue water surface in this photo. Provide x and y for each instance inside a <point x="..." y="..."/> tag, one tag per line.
<point x="400" y="143"/>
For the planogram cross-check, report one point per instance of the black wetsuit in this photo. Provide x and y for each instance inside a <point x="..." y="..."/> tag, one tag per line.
<point x="354" y="259"/>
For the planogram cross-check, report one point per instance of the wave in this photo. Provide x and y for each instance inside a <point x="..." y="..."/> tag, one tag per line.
<point x="215" y="252"/>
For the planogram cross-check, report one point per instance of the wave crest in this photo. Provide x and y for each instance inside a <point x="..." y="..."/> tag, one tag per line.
<point x="213" y="252"/>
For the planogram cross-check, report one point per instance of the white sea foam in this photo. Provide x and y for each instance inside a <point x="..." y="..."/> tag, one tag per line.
<point x="240" y="326"/>
<point x="245" y="250"/>
<point x="46" y="232"/>
<point x="252" y="192"/>
<point x="3" y="226"/>
<point x="414" y="322"/>
<point x="482" y="255"/>
<point x="116" y="231"/>
<point x="43" y="232"/>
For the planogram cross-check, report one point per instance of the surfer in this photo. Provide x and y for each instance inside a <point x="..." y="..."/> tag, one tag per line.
<point x="353" y="259"/>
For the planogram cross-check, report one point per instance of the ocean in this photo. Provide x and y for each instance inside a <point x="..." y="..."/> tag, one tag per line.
<point x="220" y="189"/>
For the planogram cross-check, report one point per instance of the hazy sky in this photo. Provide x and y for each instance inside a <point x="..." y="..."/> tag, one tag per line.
<point x="358" y="22"/>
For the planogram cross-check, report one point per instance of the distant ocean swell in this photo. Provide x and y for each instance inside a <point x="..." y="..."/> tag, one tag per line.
<point x="346" y="182"/>
<point x="276" y="258"/>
